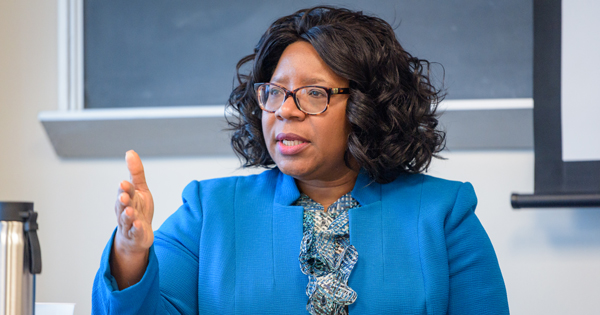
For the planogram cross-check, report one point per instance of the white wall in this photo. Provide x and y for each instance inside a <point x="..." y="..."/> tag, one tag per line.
<point x="550" y="258"/>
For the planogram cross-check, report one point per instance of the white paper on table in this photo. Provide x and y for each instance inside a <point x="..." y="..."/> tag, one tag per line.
<point x="54" y="308"/>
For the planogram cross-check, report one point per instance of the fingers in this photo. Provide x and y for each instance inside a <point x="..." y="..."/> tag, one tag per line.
<point x="137" y="229"/>
<point x="124" y="196"/>
<point x="126" y="219"/>
<point x="135" y="233"/>
<point x="136" y="169"/>
<point x="131" y="224"/>
<point x="133" y="201"/>
<point x="127" y="187"/>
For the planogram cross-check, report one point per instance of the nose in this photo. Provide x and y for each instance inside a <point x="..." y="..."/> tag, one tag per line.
<point x="289" y="110"/>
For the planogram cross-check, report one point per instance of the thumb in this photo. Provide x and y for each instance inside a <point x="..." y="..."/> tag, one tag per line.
<point x="136" y="170"/>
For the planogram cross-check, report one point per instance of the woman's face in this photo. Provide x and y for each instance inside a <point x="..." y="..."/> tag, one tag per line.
<point x="303" y="146"/>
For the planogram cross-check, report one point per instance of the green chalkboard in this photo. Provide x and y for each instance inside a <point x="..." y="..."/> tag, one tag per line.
<point x="141" y="53"/>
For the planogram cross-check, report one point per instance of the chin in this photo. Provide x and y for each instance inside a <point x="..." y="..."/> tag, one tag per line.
<point x="293" y="169"/>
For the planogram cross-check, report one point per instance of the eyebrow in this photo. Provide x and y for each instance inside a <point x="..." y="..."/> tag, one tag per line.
<point x="309" y="81"/>
<point x="314" y="81"/>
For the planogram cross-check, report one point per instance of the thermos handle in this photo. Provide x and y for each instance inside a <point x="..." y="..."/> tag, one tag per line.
<point x="30" y="227"/>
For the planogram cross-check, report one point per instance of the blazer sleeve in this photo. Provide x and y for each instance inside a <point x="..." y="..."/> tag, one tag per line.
<point x="476" y="283"/>
<point x="170" y="289"/>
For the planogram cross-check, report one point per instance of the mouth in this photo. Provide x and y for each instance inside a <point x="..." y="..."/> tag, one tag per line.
<point x="289" y="138"/>
<point x="289" y="143"/>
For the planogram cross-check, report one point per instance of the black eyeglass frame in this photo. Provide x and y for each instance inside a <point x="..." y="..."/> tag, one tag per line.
<point x="288" y="93"/>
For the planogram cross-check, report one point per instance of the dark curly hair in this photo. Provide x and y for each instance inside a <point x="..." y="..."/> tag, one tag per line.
<point x="392" y="103"/>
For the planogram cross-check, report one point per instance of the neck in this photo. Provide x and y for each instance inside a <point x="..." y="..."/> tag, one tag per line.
<point x="328" y="192"/>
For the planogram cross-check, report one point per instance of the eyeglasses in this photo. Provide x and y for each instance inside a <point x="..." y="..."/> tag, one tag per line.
<point x="311" y="99"/>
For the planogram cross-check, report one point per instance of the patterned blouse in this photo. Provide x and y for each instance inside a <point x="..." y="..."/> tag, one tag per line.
<point x="326" y="256"/>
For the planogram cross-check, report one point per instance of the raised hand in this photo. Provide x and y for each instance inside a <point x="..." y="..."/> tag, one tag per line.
<point x="134" y="209"/>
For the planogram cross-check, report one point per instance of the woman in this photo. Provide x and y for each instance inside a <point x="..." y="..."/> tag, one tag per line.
<point x="344" y="222"/>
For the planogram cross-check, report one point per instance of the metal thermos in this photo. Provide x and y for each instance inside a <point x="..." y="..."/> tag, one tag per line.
<point x="20" y="258"/>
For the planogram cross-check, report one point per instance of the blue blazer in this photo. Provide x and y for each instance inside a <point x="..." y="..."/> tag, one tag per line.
<point x="233" y="246"/>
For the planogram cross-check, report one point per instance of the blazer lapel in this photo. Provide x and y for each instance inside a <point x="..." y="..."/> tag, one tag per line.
<point x="287" y="236"/>
<point x="366" y="234"/>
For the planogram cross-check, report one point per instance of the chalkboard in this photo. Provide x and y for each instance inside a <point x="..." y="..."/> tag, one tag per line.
<point x="140" y="53"/>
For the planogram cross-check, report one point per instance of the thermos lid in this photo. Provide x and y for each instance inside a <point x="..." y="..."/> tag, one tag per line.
<point x="13" y="211"/>
<point x="23" y="211"/>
